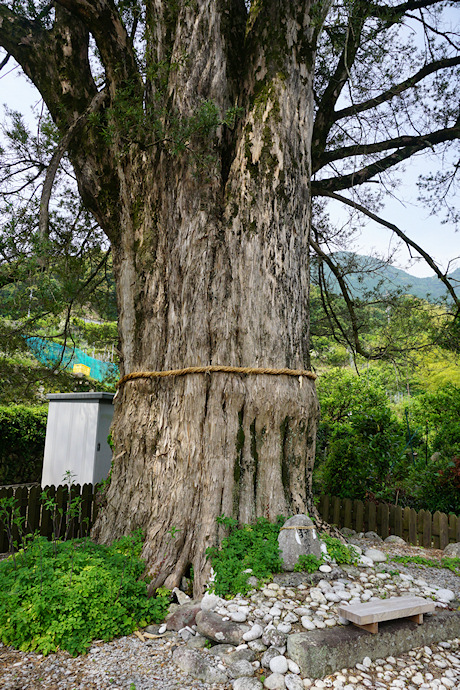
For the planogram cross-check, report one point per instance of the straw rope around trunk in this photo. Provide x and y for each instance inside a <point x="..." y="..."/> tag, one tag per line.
<point x="210" y="369"/>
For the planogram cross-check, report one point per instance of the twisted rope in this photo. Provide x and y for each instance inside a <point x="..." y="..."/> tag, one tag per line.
<point x="215" y="368"/>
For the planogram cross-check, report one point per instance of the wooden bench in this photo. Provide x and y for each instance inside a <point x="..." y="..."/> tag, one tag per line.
<point x="369" y="615"/>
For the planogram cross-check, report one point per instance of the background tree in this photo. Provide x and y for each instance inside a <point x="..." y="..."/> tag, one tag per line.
<point x="198" y="134"/>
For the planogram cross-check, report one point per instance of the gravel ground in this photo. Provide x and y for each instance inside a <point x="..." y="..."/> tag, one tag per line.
<point x="130" y="664"/>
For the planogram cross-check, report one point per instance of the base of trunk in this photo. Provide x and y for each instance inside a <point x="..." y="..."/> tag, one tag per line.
<point x="191" y="449"/>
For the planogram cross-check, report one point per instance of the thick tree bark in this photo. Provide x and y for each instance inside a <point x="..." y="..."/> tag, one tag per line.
<point x="217" y="272"/>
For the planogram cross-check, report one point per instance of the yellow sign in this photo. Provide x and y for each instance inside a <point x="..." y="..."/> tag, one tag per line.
<point x="81" y="369"/>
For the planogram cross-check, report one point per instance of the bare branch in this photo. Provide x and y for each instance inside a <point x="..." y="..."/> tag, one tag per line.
<point x="359" y="207"/>
<point x="95" y="104"/>
<point x="425" y="140"/>
<point x="397" y="89"/>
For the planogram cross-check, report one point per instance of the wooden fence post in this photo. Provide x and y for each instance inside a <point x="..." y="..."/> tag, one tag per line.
<point x="427" y="524"/>
<point x="443" y="531"/>
<point x="358" y="512"/>
<point x="371" y="517"/>
<point x="86" y="505"/>
<point x="453" y="528"/>
<point x="33" y="509"/>
<point x="436" y="529"/>
<point x="4" y="543"/>
<point x="384" y="520"/>
<point x="348" y="513"/>
<point x="336" y="511"/>
<point x="46" y="525"/>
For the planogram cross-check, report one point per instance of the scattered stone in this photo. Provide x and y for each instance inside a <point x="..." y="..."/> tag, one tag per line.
<point x="293" y="682"/>
<point x="373" y="536"/>
<point x="182" y="616"/>
<point x="445" y="595"/>
<point x="273" y="638"/>
<point x="375" y="555"/>
<point x="213" y="626"/>
<point x="199" y="665"/>
<point x="181" y="596"/>
<point x="274" y="682"/>
<point x="452" y="550"/>
<point x="247" y="684"/>
<point x="210" y="601"/>
<point x="279" y="664"/>
<point x="394" y="539"/>
<point x="240" y="668"/>
<point x="254" y="633"/>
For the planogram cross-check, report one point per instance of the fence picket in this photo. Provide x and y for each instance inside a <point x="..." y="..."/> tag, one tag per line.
<point x="358" y="513"/>
<point x="348" y="513"/>
<point x="443" y="531"/>
<point x="384" y="520"/>
<point x="33" y="509"/>
<point x="336" y="511"/>
<point x="427" y="525"/>
<point x="371" y="510"/>
<point x="436" y="530"/>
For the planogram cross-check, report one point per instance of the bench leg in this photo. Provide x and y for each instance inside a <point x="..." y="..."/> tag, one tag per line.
<point x="418" y="618"/>
<point x="370" y="627"/>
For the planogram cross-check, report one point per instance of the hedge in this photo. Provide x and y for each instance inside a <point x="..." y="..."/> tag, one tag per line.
<point x="22" y="443"/>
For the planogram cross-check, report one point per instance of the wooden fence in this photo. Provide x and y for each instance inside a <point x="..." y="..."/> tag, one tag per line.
<point x="46" y="520"/>
<point x="420" y="528"/>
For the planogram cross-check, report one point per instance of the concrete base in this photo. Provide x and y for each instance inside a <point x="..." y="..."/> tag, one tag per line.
<point x="321" y="652"/>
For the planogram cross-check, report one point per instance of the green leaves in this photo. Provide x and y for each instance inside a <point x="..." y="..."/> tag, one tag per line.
<point x="81" y="593"/>
<point x="249" y="547"/>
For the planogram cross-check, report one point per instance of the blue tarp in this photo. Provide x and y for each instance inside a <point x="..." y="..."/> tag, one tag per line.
<point x="50" y="354"/>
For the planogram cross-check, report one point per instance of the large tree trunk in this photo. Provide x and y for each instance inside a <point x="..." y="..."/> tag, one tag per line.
<point x="215" y="270"/>
<point x="209" y="224"/>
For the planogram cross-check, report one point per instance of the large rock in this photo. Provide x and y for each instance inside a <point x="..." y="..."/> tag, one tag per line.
<point x="213" y="626"/>
<point x="298" y="542"/>
<point x="199" y="665"/>
<point x="452" y="550"/>
<point x="182" y="616"/>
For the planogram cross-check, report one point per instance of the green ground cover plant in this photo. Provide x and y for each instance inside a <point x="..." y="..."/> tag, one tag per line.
<point x="340" y="553"/>
<point x="308" y="563"/>
<point x="65" y="597"/>
<point x="448" y="562"/>
<point x="251" y="548"/>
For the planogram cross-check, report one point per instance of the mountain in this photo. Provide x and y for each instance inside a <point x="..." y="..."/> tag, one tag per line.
<point x="369" y="274"/>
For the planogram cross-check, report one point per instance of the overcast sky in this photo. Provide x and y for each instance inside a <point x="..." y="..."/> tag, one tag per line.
<point x="439" y="240"/>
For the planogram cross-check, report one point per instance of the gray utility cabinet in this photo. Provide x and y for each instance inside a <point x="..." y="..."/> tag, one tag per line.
<point x="76" y="438"/>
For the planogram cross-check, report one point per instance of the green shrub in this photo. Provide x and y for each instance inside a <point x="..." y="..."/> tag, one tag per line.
<point x="80" y="592"/>
<point x="308" y="563"/>
<point x="249" y="547"/>
<point x="362" y="453"/>
<point x="340" y="553"/>
<point x="22" y="443"/>
<point x="435" y="484"/>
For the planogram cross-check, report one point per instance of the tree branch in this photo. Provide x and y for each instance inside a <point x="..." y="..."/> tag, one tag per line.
<point x="324" y="116"/>
<point x="427" y="140"/>
<point x="331" y="184"/>
<point x="102" y="19"/>
<point x="346" y="295"/>
<point x="442" y="276"/>
<point x="63" y="145"/>
<point x="397" y="89"/>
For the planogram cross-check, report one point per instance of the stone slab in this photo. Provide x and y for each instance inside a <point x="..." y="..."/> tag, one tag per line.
<point x="385" y="609"/>
<point x="322" y="652"/>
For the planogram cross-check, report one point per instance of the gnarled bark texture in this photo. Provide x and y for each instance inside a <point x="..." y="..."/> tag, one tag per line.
<point x="210" y="247"/>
